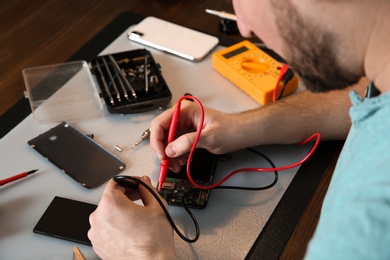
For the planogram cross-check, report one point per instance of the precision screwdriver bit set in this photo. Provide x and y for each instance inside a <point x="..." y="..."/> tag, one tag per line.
<point x="130" y="82"/>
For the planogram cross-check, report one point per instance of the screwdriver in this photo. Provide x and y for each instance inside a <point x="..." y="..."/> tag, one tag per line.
<point x="145" y="136"/>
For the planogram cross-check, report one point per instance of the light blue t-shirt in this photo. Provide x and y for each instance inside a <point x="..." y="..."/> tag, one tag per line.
<point x="355" y="216"/>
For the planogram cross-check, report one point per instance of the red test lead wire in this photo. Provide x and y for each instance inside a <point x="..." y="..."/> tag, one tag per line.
<point x="283" y="71"/>
<point x="164" y="166"/>
<point x="282" y="168"/>
<point x="315" y="136"/>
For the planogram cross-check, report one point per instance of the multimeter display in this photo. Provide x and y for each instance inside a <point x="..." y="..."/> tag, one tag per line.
<point x="252" y="70"/>
<point x="235" y="52"/>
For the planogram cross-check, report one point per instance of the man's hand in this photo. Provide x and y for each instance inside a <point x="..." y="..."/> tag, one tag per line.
<point x="218" y="127"/>
<point x="121" y="229"/>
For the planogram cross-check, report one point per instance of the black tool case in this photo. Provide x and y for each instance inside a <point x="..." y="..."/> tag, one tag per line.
<point x="128" y="82"/>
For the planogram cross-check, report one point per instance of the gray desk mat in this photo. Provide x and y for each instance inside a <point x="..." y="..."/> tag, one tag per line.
<point x="229" y="225"/>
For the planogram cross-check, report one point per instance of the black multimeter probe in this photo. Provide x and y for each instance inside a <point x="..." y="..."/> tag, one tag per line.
<point x="133" y="183"/>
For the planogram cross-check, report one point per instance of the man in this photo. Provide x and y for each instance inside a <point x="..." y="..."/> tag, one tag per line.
<point x="330" y="45"/>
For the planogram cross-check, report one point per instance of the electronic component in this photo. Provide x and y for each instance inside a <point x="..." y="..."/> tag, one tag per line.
<point x="252" y="70"/>
<point x="177" y="186"/>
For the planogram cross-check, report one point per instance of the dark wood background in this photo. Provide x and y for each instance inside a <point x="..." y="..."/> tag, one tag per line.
<point x="41" y="32"/>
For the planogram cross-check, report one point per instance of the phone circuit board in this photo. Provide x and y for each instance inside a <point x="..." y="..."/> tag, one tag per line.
<point x="177" y="187"/>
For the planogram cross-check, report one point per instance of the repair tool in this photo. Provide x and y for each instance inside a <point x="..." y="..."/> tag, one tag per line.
<point x="117" y="73"/>
<point x="104" y="82"/>
<point x="254" y="71"/>
<point x="222" y="14"/>
<point x="134" y="82"/>
<point x="118" y="95"/>
<point x="145" y="136"/>
<point x="146" y="74"/>
<point x="164" y="166"/>
<point x="16" y="177"/>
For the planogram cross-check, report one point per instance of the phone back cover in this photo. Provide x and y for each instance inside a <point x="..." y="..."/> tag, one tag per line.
<point x="77" y="155"/>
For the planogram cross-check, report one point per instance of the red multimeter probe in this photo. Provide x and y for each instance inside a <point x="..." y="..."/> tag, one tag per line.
<point x="164" y="166"/>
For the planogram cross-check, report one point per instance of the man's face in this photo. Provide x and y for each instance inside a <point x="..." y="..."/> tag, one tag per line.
<point x="308" y="48"/>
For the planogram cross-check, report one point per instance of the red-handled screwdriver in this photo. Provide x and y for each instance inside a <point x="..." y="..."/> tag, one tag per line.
<point x="16" y="177"/>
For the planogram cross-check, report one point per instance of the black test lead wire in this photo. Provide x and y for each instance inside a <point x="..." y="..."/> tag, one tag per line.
<point x="119" y="179"/>
<point x="276" y="176"/>
<point x="125" y="181"/>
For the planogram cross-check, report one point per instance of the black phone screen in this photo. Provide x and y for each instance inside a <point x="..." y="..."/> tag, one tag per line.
<point x="66" y="219"/>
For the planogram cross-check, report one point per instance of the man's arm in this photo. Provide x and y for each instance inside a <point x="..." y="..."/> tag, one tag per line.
<point x="290" y="120"/>
<point x="296" y="117"/>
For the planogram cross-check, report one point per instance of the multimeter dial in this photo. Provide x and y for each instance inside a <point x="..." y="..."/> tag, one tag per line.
<point x="255" y="67"/>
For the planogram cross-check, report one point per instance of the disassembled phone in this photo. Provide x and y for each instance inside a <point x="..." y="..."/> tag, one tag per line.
<point x="66" y="219"/>
<point x="77" y="155"/>
<point x="177" y="186"/>
<point x="172" y="38"/>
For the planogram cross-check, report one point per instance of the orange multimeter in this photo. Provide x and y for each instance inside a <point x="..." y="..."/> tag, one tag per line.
<point x="252" y="70"/>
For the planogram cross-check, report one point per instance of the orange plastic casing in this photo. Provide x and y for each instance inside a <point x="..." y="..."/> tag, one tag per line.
<point x="252" y="70"/>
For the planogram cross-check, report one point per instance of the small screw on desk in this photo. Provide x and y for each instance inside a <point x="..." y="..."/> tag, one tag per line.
<point x="118" y="148"/>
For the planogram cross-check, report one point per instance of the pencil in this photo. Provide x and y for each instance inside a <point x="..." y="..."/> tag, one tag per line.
<point x="16" y="177"/>
<point x="222" y="14"/>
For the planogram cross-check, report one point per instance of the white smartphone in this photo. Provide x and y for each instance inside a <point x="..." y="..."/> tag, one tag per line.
<point x="172" y="38"/>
